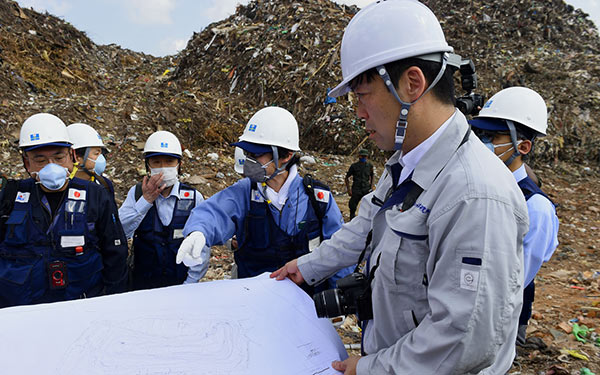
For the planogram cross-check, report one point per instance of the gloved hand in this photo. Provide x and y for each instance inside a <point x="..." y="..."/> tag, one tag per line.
<point x="190" y="251"/>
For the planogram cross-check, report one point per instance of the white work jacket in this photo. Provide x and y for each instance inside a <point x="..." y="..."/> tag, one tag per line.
<point x="447" y="293"/>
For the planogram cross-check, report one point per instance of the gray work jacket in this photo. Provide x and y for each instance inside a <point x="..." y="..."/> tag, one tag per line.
<point x="448" y="290"/>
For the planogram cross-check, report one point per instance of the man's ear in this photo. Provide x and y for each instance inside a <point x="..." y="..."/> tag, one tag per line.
<point x="287" y="158"/>
<point x="412" y="83"/>
<point x="525" y="147"/>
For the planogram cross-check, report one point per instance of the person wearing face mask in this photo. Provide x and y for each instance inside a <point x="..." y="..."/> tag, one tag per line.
<point x="508" y="125"/>
<point x="154" y="214"/>
<point x="361" y="173"/>
<point x="275" y="214"/>
<point x="60" y="236"/>
<point x="89" y="150"/>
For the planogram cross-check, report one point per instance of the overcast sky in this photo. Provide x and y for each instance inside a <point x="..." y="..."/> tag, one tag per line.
<point x="163" y="27"/>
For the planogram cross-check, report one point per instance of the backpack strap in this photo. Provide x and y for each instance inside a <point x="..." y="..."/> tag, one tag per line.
<point x="138" y="191"/>
<point x="320" y="208"/>
<point x="8" y="194"/>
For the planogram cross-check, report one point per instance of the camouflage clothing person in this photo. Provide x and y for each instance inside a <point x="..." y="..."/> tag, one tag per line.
<point x="362" y="180"/>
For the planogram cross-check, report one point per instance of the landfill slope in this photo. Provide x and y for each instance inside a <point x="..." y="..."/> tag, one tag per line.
<point x="287" y="53"/>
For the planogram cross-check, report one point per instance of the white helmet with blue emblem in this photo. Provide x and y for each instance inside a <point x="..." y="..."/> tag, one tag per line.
<point x="43" y="129"/>
<point x="272" y="126"/>
<point x="162" y="143"/>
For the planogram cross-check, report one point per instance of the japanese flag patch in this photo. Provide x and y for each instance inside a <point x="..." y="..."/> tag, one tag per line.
<point x="322" y="195"/>
<point x="186" y="194"/>
<point x="77" y="194"/>
<point x="22" y="197"/>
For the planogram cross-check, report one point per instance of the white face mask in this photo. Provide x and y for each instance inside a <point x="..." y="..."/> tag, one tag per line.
<point x="170" y="174"/>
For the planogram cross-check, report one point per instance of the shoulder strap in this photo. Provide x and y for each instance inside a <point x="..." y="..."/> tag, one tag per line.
<point x="320" y="208"/>
<point x="138" y="191"/>
<point x="7" y="196"/>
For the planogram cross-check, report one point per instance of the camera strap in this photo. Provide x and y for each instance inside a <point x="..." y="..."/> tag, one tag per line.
<point x="362" y="254"/>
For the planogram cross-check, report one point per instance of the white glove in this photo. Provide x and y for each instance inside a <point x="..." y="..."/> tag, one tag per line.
<point x="190" y="251"/>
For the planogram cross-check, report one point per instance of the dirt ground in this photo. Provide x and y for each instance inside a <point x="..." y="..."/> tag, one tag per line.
<point x="567" y="287"/>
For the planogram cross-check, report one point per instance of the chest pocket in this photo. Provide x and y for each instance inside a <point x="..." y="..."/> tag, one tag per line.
<point x="16" y="233"/>
<point x="406" y="260"/>
<point x="258" y="226"/>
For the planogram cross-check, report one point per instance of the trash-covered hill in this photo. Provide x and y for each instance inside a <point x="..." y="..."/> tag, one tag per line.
<point x="287" y="53"/>
<point x="284" y="53"/>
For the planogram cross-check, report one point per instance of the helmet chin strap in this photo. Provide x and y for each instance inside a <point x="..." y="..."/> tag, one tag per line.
<point x="402" y="122"/>
<point x="278" y="170"/>
<point x="513" y="138"/>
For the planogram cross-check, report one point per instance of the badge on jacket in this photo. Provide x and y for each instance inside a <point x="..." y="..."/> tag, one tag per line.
<point x="322" y="195"/>
<point x="186" y="194"/>
<point x="22" y="197"/>
<point x="77" y="194"/>
<point x="256" y="196"/>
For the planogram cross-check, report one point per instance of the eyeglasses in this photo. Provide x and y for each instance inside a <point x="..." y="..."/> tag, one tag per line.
<point x="57" y="159"/>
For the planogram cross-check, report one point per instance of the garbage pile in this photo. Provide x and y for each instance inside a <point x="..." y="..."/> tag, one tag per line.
<point x="545" y="45"/>
<point x="287" y="53"/>
<point x="282" y="53"/>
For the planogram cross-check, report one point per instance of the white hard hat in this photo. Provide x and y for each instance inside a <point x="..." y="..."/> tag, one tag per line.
<point x="240" y="158"/>
<point x="271" y="126"/>
<point x="518" y="104"/>
<point x="162" y="143"/>
<point x="387" y="31"/>
<point x="43" y="129"/>
<point x="83" y="135"/>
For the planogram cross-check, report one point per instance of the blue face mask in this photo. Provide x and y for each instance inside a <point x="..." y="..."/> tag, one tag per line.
<point x="53" y="176"/>
<point x="487" y="141"/>
<point x="99" y="164"/>
<point x="362" y="159"/>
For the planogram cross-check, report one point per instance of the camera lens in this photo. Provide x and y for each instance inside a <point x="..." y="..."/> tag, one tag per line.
<point x="329" y="303"/>
<point x="465" y="105"/>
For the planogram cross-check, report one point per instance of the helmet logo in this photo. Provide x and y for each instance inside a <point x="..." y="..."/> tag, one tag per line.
<point x="99" y="137"/>
<point x="488" y="104"/>
<point x="164" y="145"/>
<point x="34" y="137"/>
<point x="252" y="128"/>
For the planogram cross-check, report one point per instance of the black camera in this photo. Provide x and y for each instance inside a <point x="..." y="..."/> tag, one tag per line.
<point x="352" y="296"/>
<point x="470" y="103"/>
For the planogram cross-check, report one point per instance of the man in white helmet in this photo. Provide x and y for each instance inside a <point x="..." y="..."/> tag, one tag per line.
<point x="275" y="214"/>
<point x="60" y="237"/>
<point x="89" y="150"/>
<point x="508" y="125"/>
<point x="154" y="214"/>
<point x="443" y="231"/>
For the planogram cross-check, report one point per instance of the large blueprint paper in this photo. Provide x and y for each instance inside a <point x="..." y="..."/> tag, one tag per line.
<point x="247" y="326"/>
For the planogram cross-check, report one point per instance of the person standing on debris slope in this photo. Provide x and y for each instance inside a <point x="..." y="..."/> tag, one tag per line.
<point x="275" y="214"/>
<point x="155" y="212"/>
<point x="443" y="230"/>
<point x="89" y="155"/>
<point x="60" y="237"/>
<point x="508" y="125"/>
<point x="362" y="180"/>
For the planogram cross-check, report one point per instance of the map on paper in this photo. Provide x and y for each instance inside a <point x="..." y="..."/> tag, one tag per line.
<point x="246" y="326"/>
